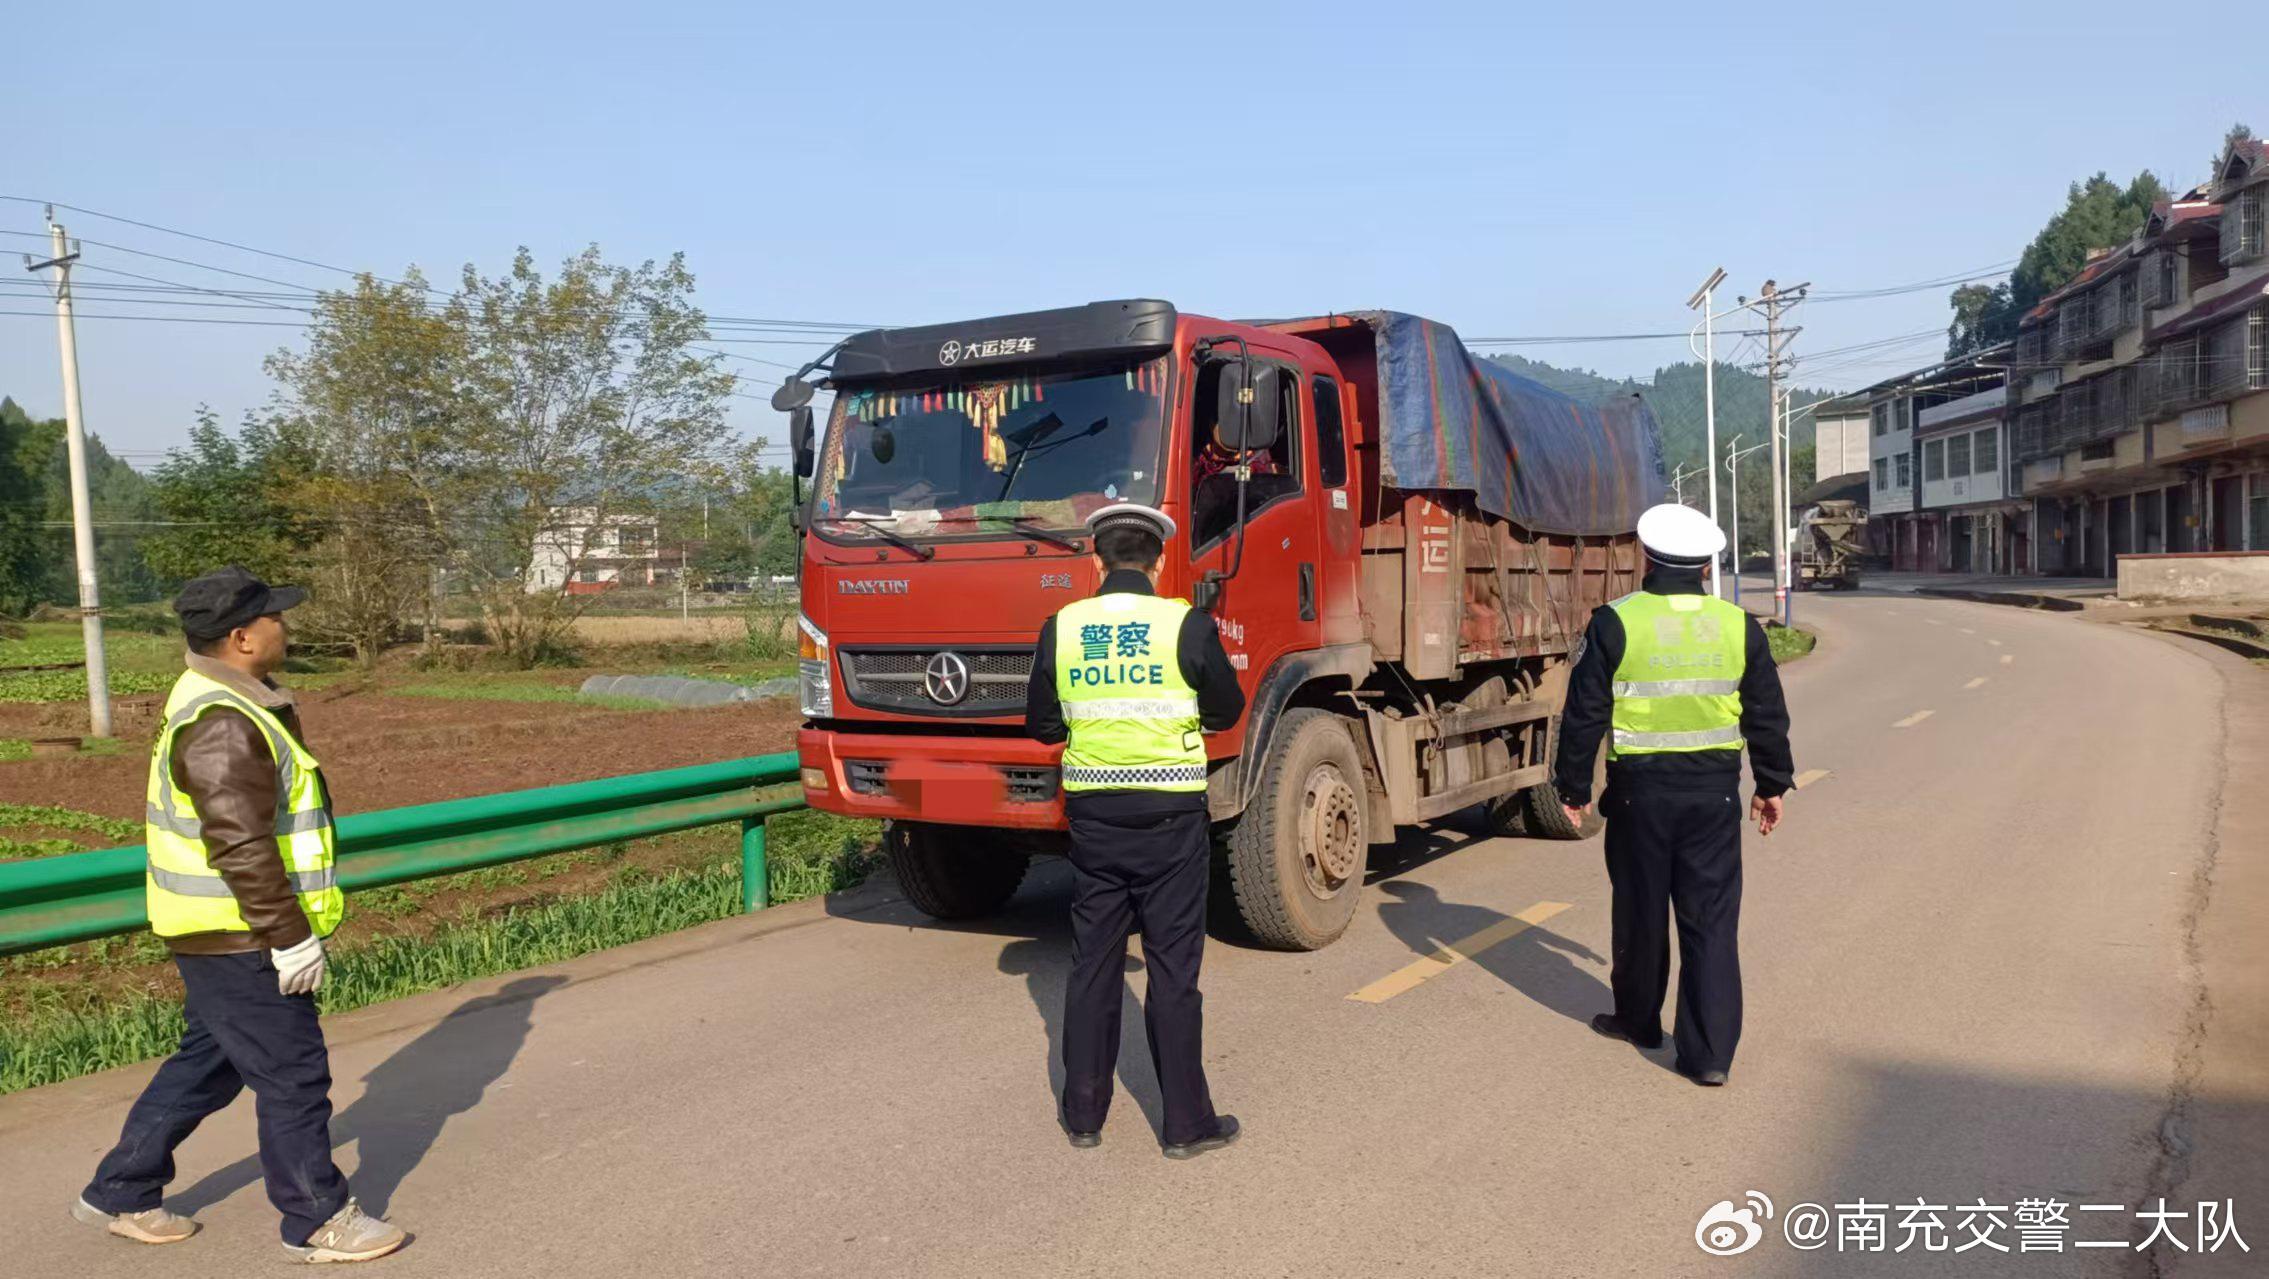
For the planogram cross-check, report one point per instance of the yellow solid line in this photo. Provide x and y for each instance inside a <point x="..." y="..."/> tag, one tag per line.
<point x="1410" y="975"/>
<point x="1979" y="682"/>
<point x="1810" y="776"/>
<point x="1914" y="719"/>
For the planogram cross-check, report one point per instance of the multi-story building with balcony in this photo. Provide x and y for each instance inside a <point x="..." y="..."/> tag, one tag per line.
<point x="2136" y="392"/>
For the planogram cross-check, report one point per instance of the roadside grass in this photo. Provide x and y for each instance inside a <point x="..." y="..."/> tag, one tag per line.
<point x="60" y="1031"/>
<point x="1789" y="643"/>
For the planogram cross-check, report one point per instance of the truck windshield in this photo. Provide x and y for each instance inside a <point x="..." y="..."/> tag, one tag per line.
<point x="995" y="457"/>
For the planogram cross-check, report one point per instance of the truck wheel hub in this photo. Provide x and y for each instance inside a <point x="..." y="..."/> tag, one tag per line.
<point x="1331" y="831"/>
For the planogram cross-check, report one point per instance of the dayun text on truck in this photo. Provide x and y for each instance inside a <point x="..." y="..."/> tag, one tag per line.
<point x="1401" y="545"/>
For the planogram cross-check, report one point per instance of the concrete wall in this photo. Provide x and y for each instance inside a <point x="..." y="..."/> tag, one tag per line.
<point x="2242" y="575"/>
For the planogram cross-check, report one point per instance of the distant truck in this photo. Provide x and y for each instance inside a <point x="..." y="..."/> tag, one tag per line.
<point x="1401" y="545"/>
<point x="1830" y="544"/>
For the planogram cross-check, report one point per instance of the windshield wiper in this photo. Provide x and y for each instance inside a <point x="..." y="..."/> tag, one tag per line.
<point x="1030" y="527"/>
<point x="874" y="524"/>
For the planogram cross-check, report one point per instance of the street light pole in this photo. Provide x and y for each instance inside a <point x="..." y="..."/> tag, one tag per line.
<point x="1701" y="299"/>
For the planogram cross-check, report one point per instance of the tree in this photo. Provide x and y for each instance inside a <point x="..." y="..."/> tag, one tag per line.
<point x="2097" y="214"/>
<point x="2239" y="132"/>
<point x="117" y="495"/>
<point x="227" y="499"/>
<point x="22" y="508"/>
<point x="375" y="407"/>
<point x="584" y="401"/>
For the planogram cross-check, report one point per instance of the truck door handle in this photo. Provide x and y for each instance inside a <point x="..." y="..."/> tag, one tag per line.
<point x="1307" y="592"/>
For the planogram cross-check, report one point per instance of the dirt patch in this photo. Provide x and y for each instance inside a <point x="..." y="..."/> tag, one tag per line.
<point x="385" y="751"/>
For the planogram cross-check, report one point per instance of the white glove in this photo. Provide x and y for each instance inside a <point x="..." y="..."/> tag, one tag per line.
<point x="299" y="969"/>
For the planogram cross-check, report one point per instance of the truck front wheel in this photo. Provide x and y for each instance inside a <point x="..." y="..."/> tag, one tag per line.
<point x="949" y="872"/>
<point x="1298" y="852"/>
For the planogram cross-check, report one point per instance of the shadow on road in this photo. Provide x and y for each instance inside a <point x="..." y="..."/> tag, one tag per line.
<point x="409" y="1097"/>
<point x="1044" y="963"/>
<point x="1537" y="962"/>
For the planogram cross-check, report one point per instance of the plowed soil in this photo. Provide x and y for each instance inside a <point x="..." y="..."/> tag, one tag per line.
<point x="382" y="750"/>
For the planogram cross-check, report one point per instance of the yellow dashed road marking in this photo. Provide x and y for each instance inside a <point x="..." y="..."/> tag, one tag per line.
<point x="1809" y="776"/>
<point x="1914" y="719"/>
<point x="1979" y="682"/>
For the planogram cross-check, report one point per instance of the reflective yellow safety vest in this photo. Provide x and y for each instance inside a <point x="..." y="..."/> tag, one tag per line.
<point x="186" y="895"/>
<point x="1679" y="685"/>
<point x="1133" y="718"/>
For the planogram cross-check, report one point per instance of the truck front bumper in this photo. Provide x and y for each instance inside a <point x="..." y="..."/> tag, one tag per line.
<point x="956" y="781"/>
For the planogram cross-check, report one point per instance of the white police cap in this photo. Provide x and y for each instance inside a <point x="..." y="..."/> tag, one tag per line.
<point x="1132" y="515"/>
<point x="1680" y="535"/>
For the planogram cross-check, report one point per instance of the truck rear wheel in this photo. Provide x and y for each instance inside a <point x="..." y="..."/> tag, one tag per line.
<point x="948" y="872"/>
<point x="1298" y="852"/>
<point x="1547" y="817"/>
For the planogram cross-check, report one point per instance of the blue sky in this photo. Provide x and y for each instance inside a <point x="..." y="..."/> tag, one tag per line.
<point x="1509" y="169"/>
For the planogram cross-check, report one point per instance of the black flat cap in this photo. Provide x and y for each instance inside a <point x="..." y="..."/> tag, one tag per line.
<point x="220" y="601"/>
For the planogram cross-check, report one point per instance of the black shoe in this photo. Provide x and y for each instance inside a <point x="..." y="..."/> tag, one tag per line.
<point x="1084" y="1140"/>
<point x="1706" y="1078"/>
<point x="1225" y="1132"/>
<point x="1607" y="1025"/>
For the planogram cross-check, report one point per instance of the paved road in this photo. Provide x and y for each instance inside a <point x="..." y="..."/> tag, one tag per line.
<point x="1973" y="971"/>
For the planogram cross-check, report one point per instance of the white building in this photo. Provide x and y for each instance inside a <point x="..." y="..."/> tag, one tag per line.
<point x="598" y="554"/>
<point x="1840" y="435"/>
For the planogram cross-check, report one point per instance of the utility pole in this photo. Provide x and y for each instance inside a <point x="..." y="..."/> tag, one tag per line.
<point x="1701" y="299"/>
<point x="1773" y="302"/>
<point x="75" y="437"/>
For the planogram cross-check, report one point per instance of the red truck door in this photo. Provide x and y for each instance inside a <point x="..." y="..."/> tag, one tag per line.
<point x="1275" y="603"/>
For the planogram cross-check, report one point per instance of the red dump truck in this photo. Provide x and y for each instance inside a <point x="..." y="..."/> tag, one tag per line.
<point x="1401" y="545"/>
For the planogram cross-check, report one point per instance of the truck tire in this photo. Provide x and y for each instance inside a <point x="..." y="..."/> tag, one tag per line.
<point x="947" y="872"/>
<point x="1547" y="818"/>
<point x="1298" y="852"/>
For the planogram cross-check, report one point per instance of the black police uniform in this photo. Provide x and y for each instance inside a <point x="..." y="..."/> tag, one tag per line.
<point x="1674" y="839"/>
<point x="1139" y="857"/>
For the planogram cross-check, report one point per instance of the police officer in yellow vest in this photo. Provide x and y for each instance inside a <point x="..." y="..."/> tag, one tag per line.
<point x="1132" y="683"/>
<point x="1676" y="682"/>
<point x="241" y="886"/>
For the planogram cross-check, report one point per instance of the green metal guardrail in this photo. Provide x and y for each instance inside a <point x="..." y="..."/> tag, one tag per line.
<point x="52" y="901"/>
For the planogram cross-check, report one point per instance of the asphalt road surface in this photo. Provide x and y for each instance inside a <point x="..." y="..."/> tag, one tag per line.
<point x="1976" y="971"/>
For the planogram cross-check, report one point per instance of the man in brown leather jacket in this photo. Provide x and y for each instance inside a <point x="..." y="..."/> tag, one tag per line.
<point x="250" y="1002"/>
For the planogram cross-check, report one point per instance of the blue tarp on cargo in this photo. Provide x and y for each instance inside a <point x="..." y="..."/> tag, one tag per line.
<point x="1547" y="461"/>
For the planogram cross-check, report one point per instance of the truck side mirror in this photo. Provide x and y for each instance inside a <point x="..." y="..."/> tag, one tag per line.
<point x="800" y="440"/>
<point x="1247" y="407"/>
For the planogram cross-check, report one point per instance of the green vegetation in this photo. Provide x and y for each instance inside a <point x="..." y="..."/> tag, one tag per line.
<point x="1789" y="643"/>
<point x="139" y="663"/>
<point x="108" y="830"/>
<point x="61" y="1031"/>
<point x="2097" y="214"/>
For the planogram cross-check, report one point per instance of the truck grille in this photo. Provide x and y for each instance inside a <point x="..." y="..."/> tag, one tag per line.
<point x="897" y="679"/>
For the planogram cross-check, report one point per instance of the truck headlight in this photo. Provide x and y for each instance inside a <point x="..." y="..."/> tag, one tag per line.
<point x="815" y="685"/>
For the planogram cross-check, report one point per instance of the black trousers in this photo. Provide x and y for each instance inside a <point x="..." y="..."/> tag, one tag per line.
<point x="1678" y="852"/>
<point x="1150" y="869"/>
<point x="241" y="1031"/>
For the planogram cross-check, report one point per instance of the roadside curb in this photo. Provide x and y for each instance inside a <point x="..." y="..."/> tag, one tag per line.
<point x="2013" y="599"/>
